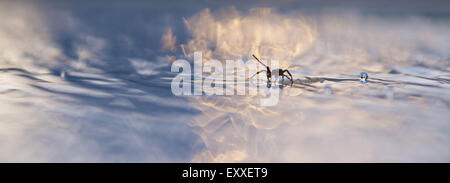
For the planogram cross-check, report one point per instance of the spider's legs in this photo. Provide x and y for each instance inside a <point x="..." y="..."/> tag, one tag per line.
<point x="258" y="73"/>
<point x="268" y="75"/>
<point x="290" y="76"/>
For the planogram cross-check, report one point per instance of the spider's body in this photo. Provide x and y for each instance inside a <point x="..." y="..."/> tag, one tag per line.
<point x="275" y="72"/>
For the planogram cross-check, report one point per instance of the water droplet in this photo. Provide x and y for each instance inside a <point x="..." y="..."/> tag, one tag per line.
<point x="63" y="74"/>
<point x="363" y="77"/>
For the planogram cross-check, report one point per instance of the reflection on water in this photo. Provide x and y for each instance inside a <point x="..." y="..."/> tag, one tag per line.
<point x="85" y="117"/>
<point x="397" y="111"/>
<point x="82" y="83"/>
<point x="392" y="117"/>
<point x="115" y="117"/>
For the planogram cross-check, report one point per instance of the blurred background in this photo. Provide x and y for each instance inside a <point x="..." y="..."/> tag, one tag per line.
<point x="89" y="81"/>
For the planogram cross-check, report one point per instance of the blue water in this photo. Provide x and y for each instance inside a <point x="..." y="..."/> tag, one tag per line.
<point x="82" y="83"/>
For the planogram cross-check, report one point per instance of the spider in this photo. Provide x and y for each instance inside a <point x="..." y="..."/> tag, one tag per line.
<point x="276" y="72"/>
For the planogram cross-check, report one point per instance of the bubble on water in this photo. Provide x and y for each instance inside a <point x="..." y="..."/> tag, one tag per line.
<point x="63" y="74"/>
<point x="363" y="77"/>
<point x="327" y="90"/>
